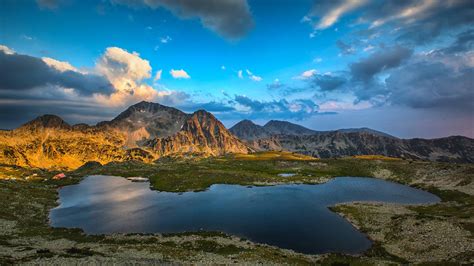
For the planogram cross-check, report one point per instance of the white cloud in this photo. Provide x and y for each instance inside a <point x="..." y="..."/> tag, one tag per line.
<point x="252" y="76"/>
<point x="240" y="75"/>
<point x="317" y="60"/>
<point x="179" y="74"/>
<point x="59" y="65"/>
<point x="157" y="75"/>
<point x="165" y="39"/>
<point x="331" y="17"/>
<point x="6" y="49"/>
<point x="307" y="74"/>
<point x="119" y="63"/>
<point x="125" y="71"/>
<point x="223" y="67"/>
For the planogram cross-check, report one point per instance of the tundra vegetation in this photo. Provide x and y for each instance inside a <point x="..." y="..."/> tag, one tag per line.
<point x="440" y="233"/>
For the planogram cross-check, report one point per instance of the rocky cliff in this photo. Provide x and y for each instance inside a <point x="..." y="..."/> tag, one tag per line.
<point x="202" y="134"/>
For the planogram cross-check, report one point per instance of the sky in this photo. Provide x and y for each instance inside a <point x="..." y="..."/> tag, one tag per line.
<point x="402" y="67"/>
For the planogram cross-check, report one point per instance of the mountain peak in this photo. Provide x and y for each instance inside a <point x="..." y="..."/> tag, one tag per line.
<point x="46" y="121"/>
<point x="146" y="120"/>
<point x="246" y="129"/>
<point x="286" y="128"/>
<point x="201" y="133"/>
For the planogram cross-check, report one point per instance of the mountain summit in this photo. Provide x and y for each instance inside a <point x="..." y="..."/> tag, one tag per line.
<point x="201" y="133"/>
<point x="45" y="121"/>
<point x="248" y="130"/>
<point x="146" y="120"/>
<point x="276" y="127"/>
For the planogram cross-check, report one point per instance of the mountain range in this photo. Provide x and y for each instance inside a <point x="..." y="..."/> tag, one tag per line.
<point x="148" y="131"/>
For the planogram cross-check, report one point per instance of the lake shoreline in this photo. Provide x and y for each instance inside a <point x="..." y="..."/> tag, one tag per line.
<point x="427" y="176"/>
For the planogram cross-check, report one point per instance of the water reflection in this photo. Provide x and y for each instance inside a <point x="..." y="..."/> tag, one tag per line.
<point x="288" y="216"/>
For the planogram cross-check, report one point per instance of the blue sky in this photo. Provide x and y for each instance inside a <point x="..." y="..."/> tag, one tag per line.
<point x="322" y="64"/>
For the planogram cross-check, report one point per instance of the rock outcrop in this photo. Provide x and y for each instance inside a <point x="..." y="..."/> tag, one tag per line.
<point x="201" y="134"/>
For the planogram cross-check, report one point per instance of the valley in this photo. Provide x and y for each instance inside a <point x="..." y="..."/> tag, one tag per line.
<point x="27" y="237"/>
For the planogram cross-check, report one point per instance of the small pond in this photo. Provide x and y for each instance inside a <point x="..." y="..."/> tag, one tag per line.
<point x="288" y="216"/>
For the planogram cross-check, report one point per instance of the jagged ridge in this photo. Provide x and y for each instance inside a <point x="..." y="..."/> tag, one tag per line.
<point x="201" y="133"/>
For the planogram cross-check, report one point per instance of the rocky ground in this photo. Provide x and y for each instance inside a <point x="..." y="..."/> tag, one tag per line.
<point x="441" y="233"/>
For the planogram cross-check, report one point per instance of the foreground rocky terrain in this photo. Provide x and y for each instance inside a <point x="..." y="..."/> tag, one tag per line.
<point x="441" y="233"/>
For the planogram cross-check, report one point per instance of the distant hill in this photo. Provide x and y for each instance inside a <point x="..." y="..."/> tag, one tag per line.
<point x="281" y="135"/>
<point x="247" y="130"/>
<point x="276" y="127"/>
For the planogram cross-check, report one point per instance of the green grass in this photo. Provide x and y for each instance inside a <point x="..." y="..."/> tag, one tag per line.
<point x="199" y="174"/>
<point x="29" y="202"/>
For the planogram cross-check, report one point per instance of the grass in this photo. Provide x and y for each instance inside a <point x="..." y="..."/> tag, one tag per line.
<point x="29" y="202"/>
<point x="376" y="157"/>
<point x="252" y="169"/>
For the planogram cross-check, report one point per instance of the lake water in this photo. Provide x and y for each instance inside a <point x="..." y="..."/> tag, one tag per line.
<point x="288" y="216"/>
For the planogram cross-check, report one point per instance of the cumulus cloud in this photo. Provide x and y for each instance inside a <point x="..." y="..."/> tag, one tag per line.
<point x="231" y="18"/>
<point x="367" y="68"/>
<point x="307" y="74"/>
<point x="179" y="74"/>
<point x="117" y="63"/>
<point x="126" y="71"/>
<point x="240" y="74"/>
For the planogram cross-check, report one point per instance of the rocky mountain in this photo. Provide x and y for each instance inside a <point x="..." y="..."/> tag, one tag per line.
<point x="350" y="142"/>
<point x="276" y="127"/>
<point x="50" y="142"/>
<point x="247" y="130"/>
<point x="339" y="144"/>
<point x="364" y="130"/>
<point x="201" y="133"/>
<point x="146" y="120"/>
